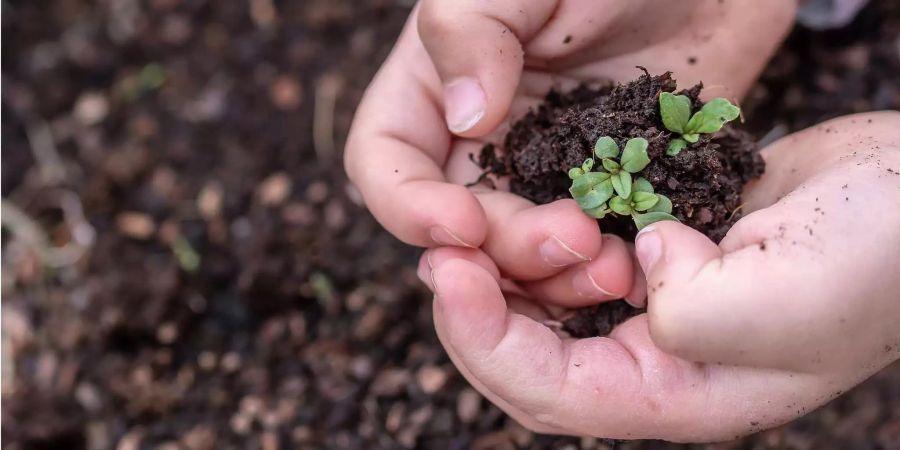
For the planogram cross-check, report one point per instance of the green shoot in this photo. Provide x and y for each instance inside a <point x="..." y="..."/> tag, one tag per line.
<point x="613" y="188"/>
<point x="676" y="116"/>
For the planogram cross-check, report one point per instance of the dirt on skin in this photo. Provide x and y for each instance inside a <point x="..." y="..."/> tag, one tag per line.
<point x="704" y="181"/>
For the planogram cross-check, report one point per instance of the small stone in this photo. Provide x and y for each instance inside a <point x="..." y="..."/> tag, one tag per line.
<point x="270" y="441"/>
<point x="231" y="362"/>
<point x="389" y="382"/>
<point x="301" y="434"/>
<point x="317" y="192"/>
<point x="275" y="189"/>
<point x="298" y="214"/>
<point x="135" y="225"/>
<point x="167" y="333"/>
<point x="131" y="440"/>
<point x="468" y="404"/>
<point x="370" y="324"/>
<point x="286" y="93"/>
<point x="431" y="379"/>
<point x="498" y="440"/>
<point x="91" y="108"/>
<point x="394" y="418"/>
<point x="209" y="201"/>
<point x="207" y="360"/>
<point x="176" y="29"/>
<point x="240" y="424"/>
<point x="201" y="437"/>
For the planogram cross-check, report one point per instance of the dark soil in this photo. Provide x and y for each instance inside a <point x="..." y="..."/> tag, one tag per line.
<point x="303" y="325"/>
<point x="704" y="181"/>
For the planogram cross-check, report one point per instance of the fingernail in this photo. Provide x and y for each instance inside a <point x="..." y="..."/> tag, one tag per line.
<point x="648" y="246"/>
<point x="557" y="254"/>
<point x="434" y="284"/>
<point x="465" y="103"/>
<point x="424" y="271"/>
<point x="443" y="236"/>
<point x="586" y="286"/>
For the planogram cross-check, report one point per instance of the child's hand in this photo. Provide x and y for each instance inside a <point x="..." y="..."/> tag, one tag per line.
<point x="459" y="64"/>
<point x="799" y="303"/>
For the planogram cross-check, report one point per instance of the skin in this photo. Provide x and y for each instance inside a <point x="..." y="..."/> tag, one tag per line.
<point x="411" y="169"/>
<point x="796" y="305"/>
<point x="685" y="371"/>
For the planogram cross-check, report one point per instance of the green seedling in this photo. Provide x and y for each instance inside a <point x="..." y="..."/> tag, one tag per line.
<point x="676" y="116"/>
<point x="613" y="189"/>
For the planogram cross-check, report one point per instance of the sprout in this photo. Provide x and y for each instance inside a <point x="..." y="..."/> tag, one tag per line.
<point x="676" y="115"/>
<point x="613" y="189"/>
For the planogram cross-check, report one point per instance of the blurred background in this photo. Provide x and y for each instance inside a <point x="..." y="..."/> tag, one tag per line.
<point x="185" y="265"/>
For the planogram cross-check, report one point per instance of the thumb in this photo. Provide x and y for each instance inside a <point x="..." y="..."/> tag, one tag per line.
<point x="476" y="47"/>
<point x="700" y="300"/>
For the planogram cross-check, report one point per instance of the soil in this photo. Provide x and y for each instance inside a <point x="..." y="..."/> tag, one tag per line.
<point x="704" y="181"/>
<point x="302" y="325"/>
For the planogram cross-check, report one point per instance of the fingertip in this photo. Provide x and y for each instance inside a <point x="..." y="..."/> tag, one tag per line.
<point x="471" y="305"/>
<point x="432" y="214"/>
<point x="534" y="242"/>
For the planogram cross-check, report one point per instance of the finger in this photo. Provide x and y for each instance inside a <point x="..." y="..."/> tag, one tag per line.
<point x="476" y="48"/>
<point x="787" y="274"/>
<point x="620" y="388"/>
<point x="437" y="256"/>
<point x="720" y="30"/>
<point x="637" y="295"/>
<point x="396" y="150"/>
<point x="532" y="242"/>
<point x="609" y="276"/>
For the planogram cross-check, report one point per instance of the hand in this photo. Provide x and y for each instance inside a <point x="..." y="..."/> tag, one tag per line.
<point x="470" y="65"/>
<point x="796" y="305"/>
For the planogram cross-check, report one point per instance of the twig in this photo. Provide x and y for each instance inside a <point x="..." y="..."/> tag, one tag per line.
<point x="30" y="233"/>
<point x="43" y="147"/>
<point x="323" y="118"/>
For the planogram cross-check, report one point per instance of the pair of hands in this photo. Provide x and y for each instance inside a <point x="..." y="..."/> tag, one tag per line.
<point x="797" y="304"/>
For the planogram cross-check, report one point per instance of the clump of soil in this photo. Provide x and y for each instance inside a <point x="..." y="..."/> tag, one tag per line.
<point x="704" y="181"/>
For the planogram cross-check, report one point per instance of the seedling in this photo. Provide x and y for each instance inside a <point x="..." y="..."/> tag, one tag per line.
<point x="676" y="116"/>
<point x="613" y="189"/>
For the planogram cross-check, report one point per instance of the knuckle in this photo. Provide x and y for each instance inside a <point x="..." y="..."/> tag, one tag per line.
<point x="436" y="20"/>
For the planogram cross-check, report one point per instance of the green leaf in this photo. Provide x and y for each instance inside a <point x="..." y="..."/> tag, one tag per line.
<point x="610" y="165"/>
<point x="598" y="212"/>
<point x="620" y="205"/>
<point x="642" y="220"/>
<point x="643" y="200"/>
<point x="676" y="146"/>
<point x="693" y="125"/>
<point x="621" y="183"/>
<point x="675" y="111"/>
<point x="642" y="185"/>
<point x="635" y="158"/>
<point x="606" y="147"/>
<point x="721" y="109"/>
<point x="664" y="205"/>
<point x="586" y="182"/>
<point x="575" y="172"/>
<point x="587" y="165"/>
<point x="712" y="117"/>
<point x="596" y="196"/>
<point x="692" y="137"/>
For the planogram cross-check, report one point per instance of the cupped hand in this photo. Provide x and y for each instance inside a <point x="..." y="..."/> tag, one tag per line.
<point x="462" y="68"/>
<point x="797" y="304"/>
